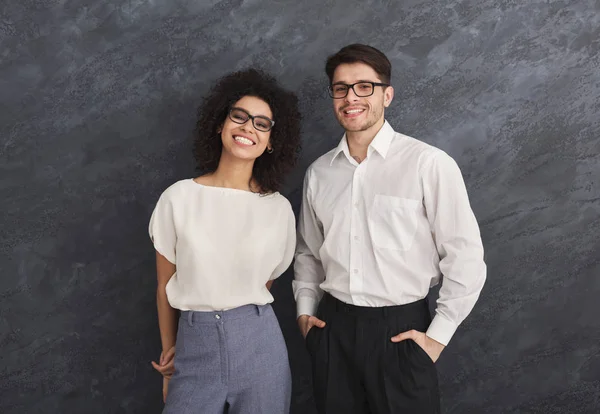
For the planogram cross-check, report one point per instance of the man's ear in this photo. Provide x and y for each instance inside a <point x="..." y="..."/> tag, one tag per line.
<point x="388" y="96"/>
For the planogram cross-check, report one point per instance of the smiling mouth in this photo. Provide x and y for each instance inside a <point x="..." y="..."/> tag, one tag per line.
<point x="353" y="112"/>
<point x="243" y="140"/>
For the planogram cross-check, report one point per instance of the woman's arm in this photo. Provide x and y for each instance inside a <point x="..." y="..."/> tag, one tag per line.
<point x="167" y="316"/>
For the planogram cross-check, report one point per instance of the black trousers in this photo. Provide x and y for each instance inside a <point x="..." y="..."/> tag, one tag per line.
<point x="357" y="369"/>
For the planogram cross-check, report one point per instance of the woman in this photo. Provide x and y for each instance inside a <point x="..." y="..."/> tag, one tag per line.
<point x="221" y="239"/>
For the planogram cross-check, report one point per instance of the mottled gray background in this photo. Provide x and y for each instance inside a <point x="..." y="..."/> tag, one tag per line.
<point x="97" y="105"/>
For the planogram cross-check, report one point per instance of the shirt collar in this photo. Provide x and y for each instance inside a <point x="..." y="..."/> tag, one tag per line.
<point x="381" y="143"/>
<point x="342" y="147"/>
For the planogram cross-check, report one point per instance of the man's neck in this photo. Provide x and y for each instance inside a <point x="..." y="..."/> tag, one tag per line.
<point x="359" y="141"/>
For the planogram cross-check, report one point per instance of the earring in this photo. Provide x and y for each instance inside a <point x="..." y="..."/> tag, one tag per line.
<point x="270" y="150"/>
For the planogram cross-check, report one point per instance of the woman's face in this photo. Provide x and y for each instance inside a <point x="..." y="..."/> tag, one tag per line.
<point x="244" y="137"/>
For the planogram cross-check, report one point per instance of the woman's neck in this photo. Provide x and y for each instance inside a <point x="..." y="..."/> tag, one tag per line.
<point x="234" y="173"/>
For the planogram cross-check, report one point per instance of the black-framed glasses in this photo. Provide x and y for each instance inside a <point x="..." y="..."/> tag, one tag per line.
<point x="241" y="116"/>
<point x="361" y="89"/>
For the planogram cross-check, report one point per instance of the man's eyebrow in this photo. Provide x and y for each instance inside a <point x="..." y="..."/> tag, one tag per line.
<point x="358" y="81"/>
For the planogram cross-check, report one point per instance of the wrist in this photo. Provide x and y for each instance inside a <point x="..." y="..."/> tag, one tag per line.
<point x="435" y="343"/>
<point x="167" y="344"/>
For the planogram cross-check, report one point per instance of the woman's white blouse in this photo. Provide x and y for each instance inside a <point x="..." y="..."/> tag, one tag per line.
<point x="226" y="244"/>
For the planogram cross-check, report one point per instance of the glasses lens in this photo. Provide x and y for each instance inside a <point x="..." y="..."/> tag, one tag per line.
<point x="238" y="116"/>
<point x="363" y="89"/>
<point x="262" y="124"/>
<point x="338" y="91"/>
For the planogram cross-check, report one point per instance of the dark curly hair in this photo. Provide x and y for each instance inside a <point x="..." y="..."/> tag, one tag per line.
<point x="270" y="169"/>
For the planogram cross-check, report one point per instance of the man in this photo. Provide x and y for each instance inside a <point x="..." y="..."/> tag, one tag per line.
<point x="384" y="216"/>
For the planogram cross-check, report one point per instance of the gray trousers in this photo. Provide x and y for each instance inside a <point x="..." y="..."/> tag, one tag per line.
<point x="233" y="361"/>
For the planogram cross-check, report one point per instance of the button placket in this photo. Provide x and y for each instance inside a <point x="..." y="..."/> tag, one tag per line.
<point x="355" y="226"/>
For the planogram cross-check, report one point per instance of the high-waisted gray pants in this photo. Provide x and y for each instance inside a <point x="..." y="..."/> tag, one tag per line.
<point x="233" y="361"/>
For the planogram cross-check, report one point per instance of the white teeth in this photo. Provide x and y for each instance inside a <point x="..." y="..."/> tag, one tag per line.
<point x="354" y="111"/>
<point x="243" y="140"/>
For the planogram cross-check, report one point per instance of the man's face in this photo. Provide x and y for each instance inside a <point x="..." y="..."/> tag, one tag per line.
<point x="355" y="113"/>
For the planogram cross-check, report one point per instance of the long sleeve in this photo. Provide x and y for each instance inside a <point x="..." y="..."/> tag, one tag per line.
<point x="458" y="241"/>
<point x="308" y="269"/>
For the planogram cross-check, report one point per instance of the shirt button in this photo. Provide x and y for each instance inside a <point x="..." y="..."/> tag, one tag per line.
<point x="217" y="316"/>
<point x="355" y="270"/>
<point x="356" y="238"/>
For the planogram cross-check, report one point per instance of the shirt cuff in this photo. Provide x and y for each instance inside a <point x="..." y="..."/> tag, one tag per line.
<point x="306" y="305"/>
<point x="441" y="329"/>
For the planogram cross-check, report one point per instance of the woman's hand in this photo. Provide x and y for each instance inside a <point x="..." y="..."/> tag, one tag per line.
<point x="166" y="363"/>
<point x="165" y="388"/>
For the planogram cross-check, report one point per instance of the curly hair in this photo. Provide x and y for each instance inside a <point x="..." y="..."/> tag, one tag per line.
<point x="270" y="169"/>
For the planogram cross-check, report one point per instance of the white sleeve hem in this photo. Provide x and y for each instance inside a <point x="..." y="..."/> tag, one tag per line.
<point x="441" y="330"/>
<point x="306" y="305"/>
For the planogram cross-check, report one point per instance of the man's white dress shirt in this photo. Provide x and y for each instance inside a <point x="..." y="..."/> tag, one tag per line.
<point x="384" y="231"/>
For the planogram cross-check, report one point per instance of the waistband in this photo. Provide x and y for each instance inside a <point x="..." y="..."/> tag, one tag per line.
<point x="409" y="310"/>
<point x="226" y="315"/>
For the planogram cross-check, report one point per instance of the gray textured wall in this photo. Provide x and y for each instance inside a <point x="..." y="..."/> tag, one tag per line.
<point x="97" y="104"/>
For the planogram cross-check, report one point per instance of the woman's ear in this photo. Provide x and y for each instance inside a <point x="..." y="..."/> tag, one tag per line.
<point x="220" y="127"/>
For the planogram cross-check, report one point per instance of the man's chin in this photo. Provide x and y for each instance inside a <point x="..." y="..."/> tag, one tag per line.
<point x="354" y="127"/>
<point x="350" y="126"/>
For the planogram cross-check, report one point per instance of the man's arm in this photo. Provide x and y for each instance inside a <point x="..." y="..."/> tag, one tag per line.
<point x="458" y="241"/>
<point x="308" y="270"/>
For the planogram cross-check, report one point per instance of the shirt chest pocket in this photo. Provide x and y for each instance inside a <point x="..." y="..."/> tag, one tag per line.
<point x="393" y="222"/>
